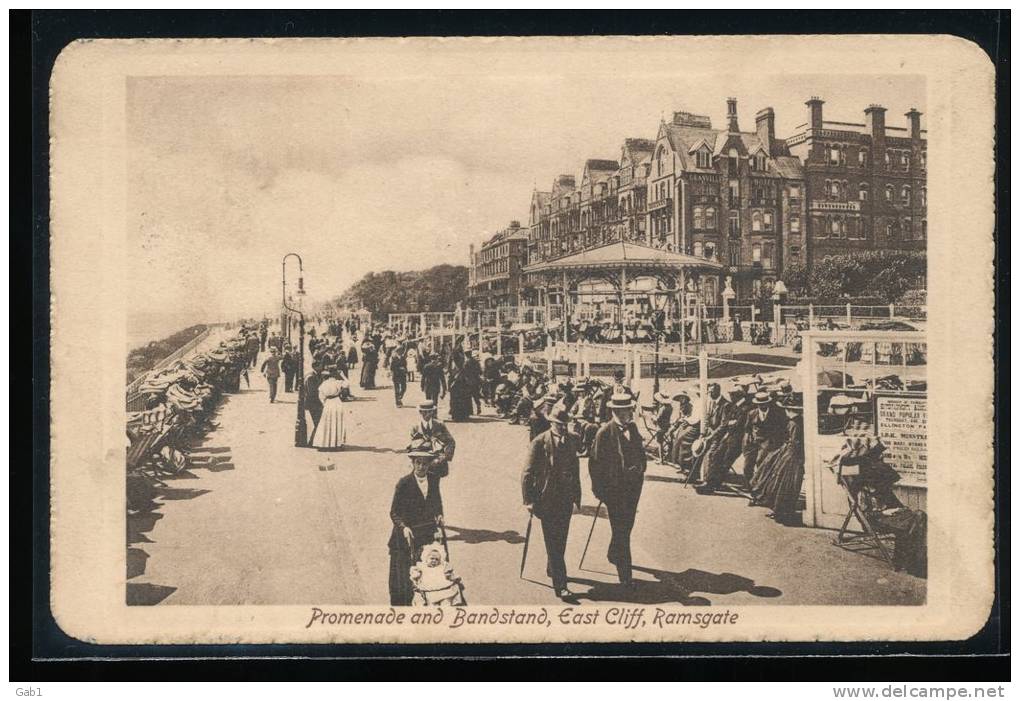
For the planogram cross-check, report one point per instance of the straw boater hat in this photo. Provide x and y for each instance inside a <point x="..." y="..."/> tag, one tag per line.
<point x="762" y="398"/>
<point x="698" y="447"/>
<point x="427" y="406"/>
<point x="662" y="397"/>
<point x="420" y="449"/>
<point x="621" y="400"/>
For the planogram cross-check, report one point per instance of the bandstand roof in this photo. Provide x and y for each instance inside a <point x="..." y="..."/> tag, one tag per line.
<point x="624" y="255"/>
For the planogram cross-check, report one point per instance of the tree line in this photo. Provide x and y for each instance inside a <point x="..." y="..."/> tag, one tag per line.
<point x="437" y="289"/>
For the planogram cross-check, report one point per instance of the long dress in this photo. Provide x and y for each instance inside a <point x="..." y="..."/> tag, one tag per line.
<point x="778" y="481"/>
<point x="369" y="360"/>
<point x="330" y="432"/>
<point x="412" y="509"/>
<point x="460" y="395"/>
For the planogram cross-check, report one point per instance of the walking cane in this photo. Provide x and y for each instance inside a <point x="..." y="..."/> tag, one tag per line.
<point x="442" y="529"/>
<point x="527" y="541"/>
<point x="591" y="532"/>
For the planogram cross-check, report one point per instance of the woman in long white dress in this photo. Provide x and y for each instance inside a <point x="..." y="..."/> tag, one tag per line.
<point x="330" y="434"/>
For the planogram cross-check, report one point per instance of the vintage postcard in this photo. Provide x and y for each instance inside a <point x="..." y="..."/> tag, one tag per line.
<point x="522" y="339"/>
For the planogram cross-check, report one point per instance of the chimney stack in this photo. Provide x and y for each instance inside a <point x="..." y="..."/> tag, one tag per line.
<point x="815" y="111"/>
<point x="915" y="123"/>
<point x="731" y="114"/>
<point x="874" y="117"/>
<point x="765" y="123"/>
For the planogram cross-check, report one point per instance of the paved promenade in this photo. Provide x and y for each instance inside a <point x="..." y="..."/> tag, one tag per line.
<point x="258" y="521"/>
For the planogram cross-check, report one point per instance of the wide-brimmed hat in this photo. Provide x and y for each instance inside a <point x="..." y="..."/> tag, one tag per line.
<point x="698" y="446"/>
<point x="559" y="416"/>
<point x="762" y="398"/>
<point x="621" y="400"/>
<point x="427" y="406"/>
<point x="420" y="449"/>
<point x="662" y="397"/>
<point x="680" y="395"/>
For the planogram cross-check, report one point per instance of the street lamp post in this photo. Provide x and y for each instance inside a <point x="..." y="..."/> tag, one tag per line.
<point x="658" y="322"/>
<point x="300" y="427"/>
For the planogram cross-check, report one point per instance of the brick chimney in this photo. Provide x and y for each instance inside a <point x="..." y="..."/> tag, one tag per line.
<point x="874" y="117"/>
<point x="815" y="112"/>
<point x="765" y="125"/>
<point x="731" y="114"/>
<point x="915" y="123"/>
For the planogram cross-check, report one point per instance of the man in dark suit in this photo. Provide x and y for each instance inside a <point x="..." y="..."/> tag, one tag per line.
<point x="766" y="431"/>
<point x="312" y="402"/>
<point x="433" y="431"/>
<point x="551" y="487"/>
<point x="617" y="467"/>
<point x="416" y="512"/>
<point x="398" y="371"/>
<point x="253" y="349"/>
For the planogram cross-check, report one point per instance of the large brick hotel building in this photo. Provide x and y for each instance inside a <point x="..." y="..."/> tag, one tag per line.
<point x="756" y="203"/>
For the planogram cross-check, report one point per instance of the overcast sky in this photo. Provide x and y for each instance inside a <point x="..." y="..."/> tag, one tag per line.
<point x="227" y="174"/>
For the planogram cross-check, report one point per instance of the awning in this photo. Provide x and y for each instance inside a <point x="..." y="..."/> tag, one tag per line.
<point x="624" y="255"/>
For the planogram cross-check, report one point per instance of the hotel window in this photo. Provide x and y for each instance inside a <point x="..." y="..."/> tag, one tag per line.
<point x="734" y="191"/>
<point x="734" y="255"/>
<point x="890" y="231"/>
<point x="794" y="253"/>
<point x="704" y="158"/>
<point x="735" y="224"/>
<point x="924" y="197"/>
<point x="834" y="155"/>
<point x="905" y="195"/>
<point x="924" y="159"/>
<point x="768" y="221"/>
<point x="888" y="193"/>
<point x="905" y="159"/>
<point x="862" y="192"/>
<point x="795" y="225"/>
<point x="710" y="222"/>
<point x="756" y="253"/>
<point x="697" y="249"/>
<point x="886" y="158"/>
<point x="768" y="255"/>
<point x="759" y="162"/>
<point x="699" y="218"/>
<point x="709" y="250"/>
<point x="756" y="221"/>
<point x="862" y="157"/>
<point x="794" y="191"/>
<point x="834" y="189"/>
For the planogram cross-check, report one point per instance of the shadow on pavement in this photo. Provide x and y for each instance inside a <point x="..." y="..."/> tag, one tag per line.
<point x="473" y="536"/>
<point x="147" y="594"/>
<point x="589" y="511"/>
<point x="673" y="587"/>
<point x="371" y="449"/>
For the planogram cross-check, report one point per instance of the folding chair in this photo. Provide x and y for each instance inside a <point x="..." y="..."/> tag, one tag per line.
<point x="869" y="538"/>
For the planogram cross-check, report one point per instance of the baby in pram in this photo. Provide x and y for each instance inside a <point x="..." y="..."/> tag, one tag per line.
<point x="434" y="581"/>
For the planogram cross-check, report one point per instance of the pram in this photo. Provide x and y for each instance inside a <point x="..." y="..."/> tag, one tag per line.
<point x="433" y="579"/>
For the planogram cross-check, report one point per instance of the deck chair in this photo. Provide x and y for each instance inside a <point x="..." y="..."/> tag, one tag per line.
<point x="868" y="538"/>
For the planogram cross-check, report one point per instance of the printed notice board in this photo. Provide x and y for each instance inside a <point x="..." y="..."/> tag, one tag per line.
<point x="903" y="428"/>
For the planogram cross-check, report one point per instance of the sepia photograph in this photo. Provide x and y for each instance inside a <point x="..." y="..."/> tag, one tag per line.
<point x="546" y="339"/>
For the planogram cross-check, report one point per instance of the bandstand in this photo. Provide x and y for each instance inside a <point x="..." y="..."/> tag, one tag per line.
<point x="624" y="269"/>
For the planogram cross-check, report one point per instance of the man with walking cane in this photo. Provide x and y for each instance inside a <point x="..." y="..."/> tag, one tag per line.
<point x="617" y="468"/>
<point x="551" y="488"/>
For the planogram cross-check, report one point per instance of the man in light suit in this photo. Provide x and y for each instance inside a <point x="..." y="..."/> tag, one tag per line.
<point x="551" y="488"/>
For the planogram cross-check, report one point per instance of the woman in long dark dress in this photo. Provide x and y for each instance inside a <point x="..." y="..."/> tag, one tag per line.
<point x="724" y="448"/>
<point x="369" y="360"/>
<point x="416" y="512"/>
<point x="777" y="483"/>
<point x="460" y="391"/>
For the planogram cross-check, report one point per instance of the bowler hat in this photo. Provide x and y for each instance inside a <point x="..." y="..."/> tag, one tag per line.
<point x="621" y="400"/>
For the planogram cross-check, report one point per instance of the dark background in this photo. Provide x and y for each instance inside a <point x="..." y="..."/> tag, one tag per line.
<point x="40" y="651"/>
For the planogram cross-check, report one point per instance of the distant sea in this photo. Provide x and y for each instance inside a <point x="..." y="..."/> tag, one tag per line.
<point x="143" y="329"/>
